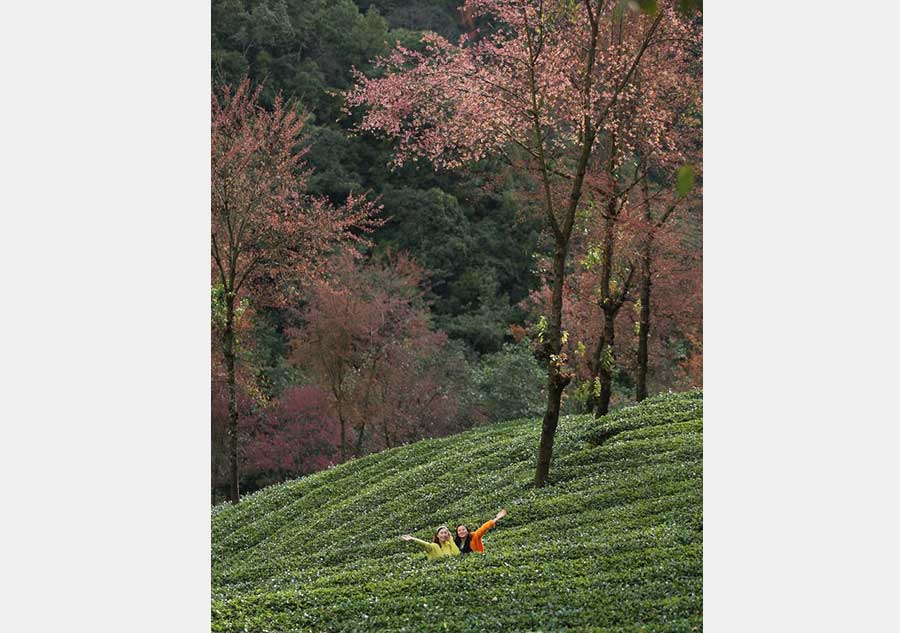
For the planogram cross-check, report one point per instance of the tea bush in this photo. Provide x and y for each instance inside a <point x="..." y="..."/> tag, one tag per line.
<point x="613" y="544"/>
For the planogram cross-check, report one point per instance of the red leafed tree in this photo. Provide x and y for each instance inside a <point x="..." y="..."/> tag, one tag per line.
<point x="368" y="339"/>
<point x="268" y="234"/>
<point x="674" y="353"/>
<point x="605" y="280"/>
<point x="650" y="140"/>
<point x="599" y="285"/>
<point x="670" y="264"/>
<point x="541" y="87"/>
<point x="295" y="435"/>
<point x="414" y="397"/>
<point x="661" y="122"/>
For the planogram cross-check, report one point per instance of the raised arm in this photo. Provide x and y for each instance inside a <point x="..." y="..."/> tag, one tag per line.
<point x="425" y="545"/>
<point x="487" y="525"/>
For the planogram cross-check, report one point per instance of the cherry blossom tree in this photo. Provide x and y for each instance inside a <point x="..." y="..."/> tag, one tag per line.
<point x="655" y="147"/>
<point x="651" y="140"/>
<point x="367" y="337"/>
<point x="660" y="144"/>
<point x="674" y="352"/>
<point x="540" y="84"/>
<point x="599" y="285"/>
<point x="295" y="435"/>
<point x="268" y="234"/>
<point x="666" y="262"/>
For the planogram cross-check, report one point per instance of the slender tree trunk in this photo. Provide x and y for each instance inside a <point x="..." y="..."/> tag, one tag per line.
<point x="606" y="363"/>
<point x="593" y="398"/>
<point x="359" y="440"/>
<point x="234" y="494"/>
<point x="388" y="438"/>
<point x="644" y="323"/>
<point x="343" y="424"/>
<point x="643" y="328"/>
<point x="557" y="378"/>
<point x="609" y="306"/>
<point x="601" y="370"/>
<point x="364" y="408"/>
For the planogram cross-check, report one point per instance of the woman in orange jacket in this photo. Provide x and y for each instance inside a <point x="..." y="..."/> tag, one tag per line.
<point x="468" y="542"/>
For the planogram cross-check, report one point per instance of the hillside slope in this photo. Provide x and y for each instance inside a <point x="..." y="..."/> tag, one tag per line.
<point x="614" y="544"/>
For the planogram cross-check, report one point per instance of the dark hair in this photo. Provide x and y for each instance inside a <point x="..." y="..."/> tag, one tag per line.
<point x="463" y="544"/>
<point x="436" y="539"/>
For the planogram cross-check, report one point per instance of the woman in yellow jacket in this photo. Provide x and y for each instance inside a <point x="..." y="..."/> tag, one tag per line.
<point x="441" y="545"/>
<point x="468" y="542"/>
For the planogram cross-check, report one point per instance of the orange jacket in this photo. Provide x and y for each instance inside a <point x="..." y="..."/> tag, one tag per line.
<point x="475" y="538"/>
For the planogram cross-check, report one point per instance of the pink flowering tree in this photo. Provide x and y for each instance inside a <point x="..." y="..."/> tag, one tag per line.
<point x="541" y="84"/>
<point x="368" y="340"/>
<point x="656" y="137"/>
<point x="669" y="138"/>
<point x="295" y="435"/>
<point x="268" y="233"/>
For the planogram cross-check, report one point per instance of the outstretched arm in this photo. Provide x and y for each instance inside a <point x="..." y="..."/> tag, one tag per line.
<point x="487" y="525"/>
<point x="425" y="545"/>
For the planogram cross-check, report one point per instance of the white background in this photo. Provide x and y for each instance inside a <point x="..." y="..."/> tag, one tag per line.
<point x="104" y="272"/>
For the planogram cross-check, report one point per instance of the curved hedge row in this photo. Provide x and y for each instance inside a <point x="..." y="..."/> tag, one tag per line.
<point x="614" y="544"/>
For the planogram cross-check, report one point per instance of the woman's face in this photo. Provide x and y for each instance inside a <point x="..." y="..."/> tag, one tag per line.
<point x="443" y="534"/>
<point x="462" y="531"/>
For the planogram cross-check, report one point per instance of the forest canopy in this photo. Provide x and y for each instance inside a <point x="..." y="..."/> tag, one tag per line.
<point x="453" y="267"/>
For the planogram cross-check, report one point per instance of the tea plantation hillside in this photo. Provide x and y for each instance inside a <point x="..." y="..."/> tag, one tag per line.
<point x="614" y="544"/>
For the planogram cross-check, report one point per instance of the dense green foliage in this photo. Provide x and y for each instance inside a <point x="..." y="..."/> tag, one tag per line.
<point x="477" y="252"/>
<point x="614" y="544"/>
<point x="509" y="384"/>
<point x="478" y="256"/>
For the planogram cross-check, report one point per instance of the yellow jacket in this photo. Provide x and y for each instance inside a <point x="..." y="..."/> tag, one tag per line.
<point x="436" y="550"/>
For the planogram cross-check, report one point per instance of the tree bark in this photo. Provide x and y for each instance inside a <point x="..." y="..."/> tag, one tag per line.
<point x="606" y="364"/>
<point x="557" y="377"/>
<point x="643" y="352"/>
<point x="643" y="326"/>
<point x="234" y="495"/>
<point x="593" y="398"/>
<point x="343" y="424"/>
<point x="359" y="440"/>
<point x="610" y="306"/>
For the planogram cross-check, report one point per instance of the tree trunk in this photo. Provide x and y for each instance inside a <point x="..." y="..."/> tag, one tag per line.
<point x="234" y="493"/>
<point x="644" y="323"/>
<point x="557" y="377"/>
<point x="606" y="363"/>
<point x="359" y="440"/>
<point x="548" y="430"/>
<point x="593" y="398"/>
<point x="343" y="424"/>
<point x="609" y="306"/>
<point x="643" y="328"/>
